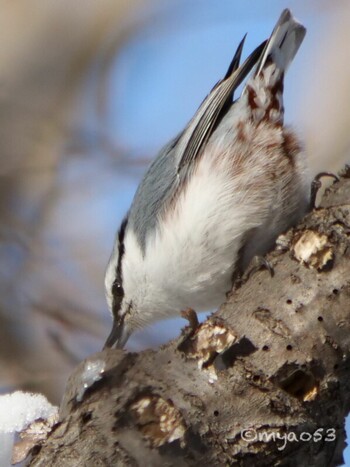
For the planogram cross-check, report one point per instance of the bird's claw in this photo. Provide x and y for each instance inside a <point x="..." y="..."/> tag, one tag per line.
<point x="191" y="317"/>
<point x="257" y="263"/>
<point x="316" y="185"/>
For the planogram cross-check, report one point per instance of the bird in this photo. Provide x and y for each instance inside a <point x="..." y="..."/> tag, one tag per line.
<point x="215" y="197"/>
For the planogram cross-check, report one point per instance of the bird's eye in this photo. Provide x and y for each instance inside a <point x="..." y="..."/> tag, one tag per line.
<point x="117" y="289"/>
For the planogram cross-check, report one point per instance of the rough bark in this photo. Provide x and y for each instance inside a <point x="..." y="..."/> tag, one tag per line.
<point x="274" y="359"/>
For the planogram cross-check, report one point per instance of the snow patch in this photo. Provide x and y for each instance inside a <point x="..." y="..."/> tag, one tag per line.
<point x="20" y="409"/>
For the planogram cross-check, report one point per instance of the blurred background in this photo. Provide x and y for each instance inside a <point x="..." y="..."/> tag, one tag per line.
<point x="89" y="92"/>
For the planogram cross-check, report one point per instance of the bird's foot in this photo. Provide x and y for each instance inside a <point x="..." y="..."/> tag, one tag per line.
<point x="316" y="185"/>
<point x="191" y="317"/>
<point x="256" y="264"/>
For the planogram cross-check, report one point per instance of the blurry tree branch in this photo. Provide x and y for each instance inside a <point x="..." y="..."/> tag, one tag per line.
<point x="274" y="359"/>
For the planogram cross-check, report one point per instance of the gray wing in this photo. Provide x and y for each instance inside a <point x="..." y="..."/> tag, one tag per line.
<point x="158" y="185"/>
<point x="212" y="110"/>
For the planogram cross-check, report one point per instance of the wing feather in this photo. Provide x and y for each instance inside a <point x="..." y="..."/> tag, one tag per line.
<point x="210" y="112"/>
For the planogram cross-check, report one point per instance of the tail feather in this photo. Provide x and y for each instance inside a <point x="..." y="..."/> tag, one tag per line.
<point x="283" y="44"/>
<point x="263" y="90"/>
<point x="265" y="87"/>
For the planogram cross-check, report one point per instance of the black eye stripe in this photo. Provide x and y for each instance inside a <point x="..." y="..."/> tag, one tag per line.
<point x="121" y="250"/>
<point x="117" y="287"/>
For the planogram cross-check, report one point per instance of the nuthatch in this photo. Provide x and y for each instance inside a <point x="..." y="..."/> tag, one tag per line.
<point x="217" y="195"/>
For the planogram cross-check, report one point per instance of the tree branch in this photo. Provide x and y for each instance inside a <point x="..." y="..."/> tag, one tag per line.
<point x="274" y="360"/>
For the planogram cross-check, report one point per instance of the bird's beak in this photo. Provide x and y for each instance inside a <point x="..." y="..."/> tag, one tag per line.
<point x="119" y="335"/>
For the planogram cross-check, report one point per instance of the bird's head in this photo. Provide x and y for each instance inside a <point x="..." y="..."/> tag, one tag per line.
<point x="118" y="303"/>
